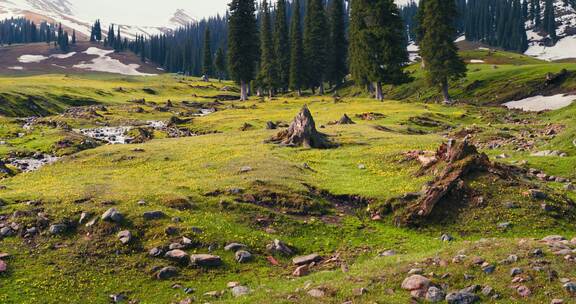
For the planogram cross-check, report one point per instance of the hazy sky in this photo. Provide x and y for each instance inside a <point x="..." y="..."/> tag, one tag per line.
<point x="146" y="12"/>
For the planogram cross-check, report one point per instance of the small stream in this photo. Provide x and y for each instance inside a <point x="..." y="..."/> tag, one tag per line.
<point x="118" y="135"/>
<point x="27" y="164"/>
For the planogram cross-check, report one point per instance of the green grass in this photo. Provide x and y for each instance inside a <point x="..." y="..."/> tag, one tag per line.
<point x="88" y="264"/>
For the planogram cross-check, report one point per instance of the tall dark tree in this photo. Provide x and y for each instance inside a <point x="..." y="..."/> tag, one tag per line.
<point x="207" y="64"/>
<point x="73" y="36"/>
<point x="281" y="46"/>
<point x="537" y="13"/>
<point x="549" y="24"/>
<point x="315" y="44"/>
<point x="242" y="43"/>
<point x="437" y="47"/>
<point x="338" y="45"/>
<point x="296" y="50"/>
<point x="267" y="75"/>
<point x="377" y="44"/>
<point x="220" y="64"/>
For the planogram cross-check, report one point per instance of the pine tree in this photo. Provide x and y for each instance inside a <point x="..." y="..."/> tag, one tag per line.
<point x="73" y="36"/>
<point x="111" y="38"/>
<point x="315" y="45"/>
<point x="549" y="25"/>
<point x="220" y="63"/>
<point x="296" y="51"/>
<point x="281" y="45"/>
<point x="338" y="45"/>
<point x="267" y="75"/>
<point x="537" y="13"/>
<point x="207" y="63"/>
<point x="437" y="47"/>
<point x="242" y="43"/>
<point x="378" y="44"/>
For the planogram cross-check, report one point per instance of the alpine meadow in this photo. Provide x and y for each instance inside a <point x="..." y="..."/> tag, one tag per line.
<point x="288" y="151"/>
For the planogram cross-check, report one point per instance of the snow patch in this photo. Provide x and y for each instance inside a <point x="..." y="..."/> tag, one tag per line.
<point x="63" y="56"/>
<point x="476" y="61"/>
<point x="31" y="58"/>
<point x="564" y="48"/>
<point x="17" y="68"/>
<point x="104" y="63"/>
<point x="542" y="103"/>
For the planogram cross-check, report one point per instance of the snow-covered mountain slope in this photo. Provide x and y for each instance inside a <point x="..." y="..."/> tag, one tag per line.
<point x="64" y="12"/>
<point x="540" y="44"/>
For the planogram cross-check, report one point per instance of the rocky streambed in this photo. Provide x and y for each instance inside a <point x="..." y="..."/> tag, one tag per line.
<point x="32" y="163"/>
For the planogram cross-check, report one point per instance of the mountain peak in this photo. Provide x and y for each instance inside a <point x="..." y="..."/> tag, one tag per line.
<point x="181" y="18"/>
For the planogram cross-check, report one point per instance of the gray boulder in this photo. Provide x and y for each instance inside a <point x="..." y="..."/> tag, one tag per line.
<point x="462" y="298"/>
<point x="112" y="215"/>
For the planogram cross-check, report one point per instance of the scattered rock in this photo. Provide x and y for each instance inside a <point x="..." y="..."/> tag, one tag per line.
<point x="388" y="253"/>
<point x="242" y="256"/>
<point x="537" y="194"/>
<point x="57" y="229"/>
<point x="515" y="271"/>
<point x="239" y="291"/>
<point x="279" y="247"/>
<point x="557" y="301"/>
<point x="205" y="260"/>
<point x="167" y="273"/>
<point x="125" y="236"/>
<point x="171" y="230"/>
<point x="84" y="216"/>
<point x="523" y="291"/>
<point x="155" y="252"/>
<point x="570" y="287"/>
<point x="487" y="291"/>
<point x="435" y="295"/>
<point x="153" y="215"/>
<point x="446" y="238"/>
<point x="416" y="282"/>
<point x="245" y="169"/>
<point x="112" y="215"/>
<point x="462" y="298"/>
<point x="307" y="259"/>
<point x="316" y="293"/>
<point x="177" y="255"/>
<point x="235" y="247"/>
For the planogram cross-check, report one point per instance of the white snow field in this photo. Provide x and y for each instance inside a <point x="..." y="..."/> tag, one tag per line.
<point x="565" y="48"/>
<point x="104" y="63"/>
<point x="542" y="103"/>
<point x="40" y="58"/>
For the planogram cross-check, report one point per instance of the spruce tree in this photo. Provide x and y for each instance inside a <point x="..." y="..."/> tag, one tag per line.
<point x="73" y="36"/>
<point x="315" y="44"/>
<point x="537" y="13"/>
<point x="296" y="50"/>
<point x="437" y="47"/>
<point x="267" y="75"/>
<point x="220" y="63"/>
<point x="281" y="46"/>
<point x="242" y="43"/>
<point x="549" y="25"/>
<point x="378" y="53"/>
<point x="338" y="45"/>
<point x="207" y="63"/>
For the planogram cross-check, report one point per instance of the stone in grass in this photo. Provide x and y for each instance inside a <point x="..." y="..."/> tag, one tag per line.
<point x="307" y="259"/>
<point x="3" y="266"/>
<point x="524" y="291"/>
<point x="167" y="273"/>
<point x="57" y="229"/>
<point x="570" y="287"/>
<point x="446" y="238"/>
<point x="177" y="255"/>
<point x="155" y="252"/>
<point x="205" y="260"/>
<point x="234" y="247"/>
<point x="462" y="298"/>
<point x="112" y="215"/>
<point x="279" y="247"/>
<point x="515" y="271"/>
<point x="239" y="291"/>
<point x="301" y="271"/>
<point x="316" y="293"/>
<point x="242" y="256"/>
<point x="415" y="282"/>
<point x="435" y="295"/>
<point x="125" y="236"/>
<point x="153" y="215"/>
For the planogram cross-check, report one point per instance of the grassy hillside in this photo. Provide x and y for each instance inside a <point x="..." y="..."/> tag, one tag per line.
<point x="227" y="184"/>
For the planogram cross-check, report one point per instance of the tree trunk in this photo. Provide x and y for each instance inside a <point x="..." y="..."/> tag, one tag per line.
<point x="243" y="91"/>
<point x="270" y="93"/>
<point x="321" y="88"/>
<point x="445" y="93"/>
<point x="378" y="93"/>
<point x="313" y="90"/>
<point x="299" y="92"/>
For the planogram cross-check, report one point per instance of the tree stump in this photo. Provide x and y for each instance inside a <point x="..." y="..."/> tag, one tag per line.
<point x="302" y="132"/>
<point x="345" y="120"/>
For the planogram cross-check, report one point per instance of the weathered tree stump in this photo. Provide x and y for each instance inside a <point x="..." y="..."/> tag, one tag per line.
<point x="302" y="132"/>
<point x="345" y="120"/>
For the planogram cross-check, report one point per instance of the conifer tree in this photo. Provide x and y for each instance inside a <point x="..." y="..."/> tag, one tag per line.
<point x="315" y="45"/>
<point x="73" y="36"/>
<point x="378" y="44"/>
<point x="537" y="13"/>
<point x="220" y="63"/>
<point x="267" y="75"/>
<point x="338" y="45"/>
<point x="111" y="38"/>
<point x="437" y="47"/>
<point x="207" y="63"/>
<point x="242" y="43"/>
<point x="281" y="46"/>
<point x="549" y="24"/>
<point x="296" y="50"/>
